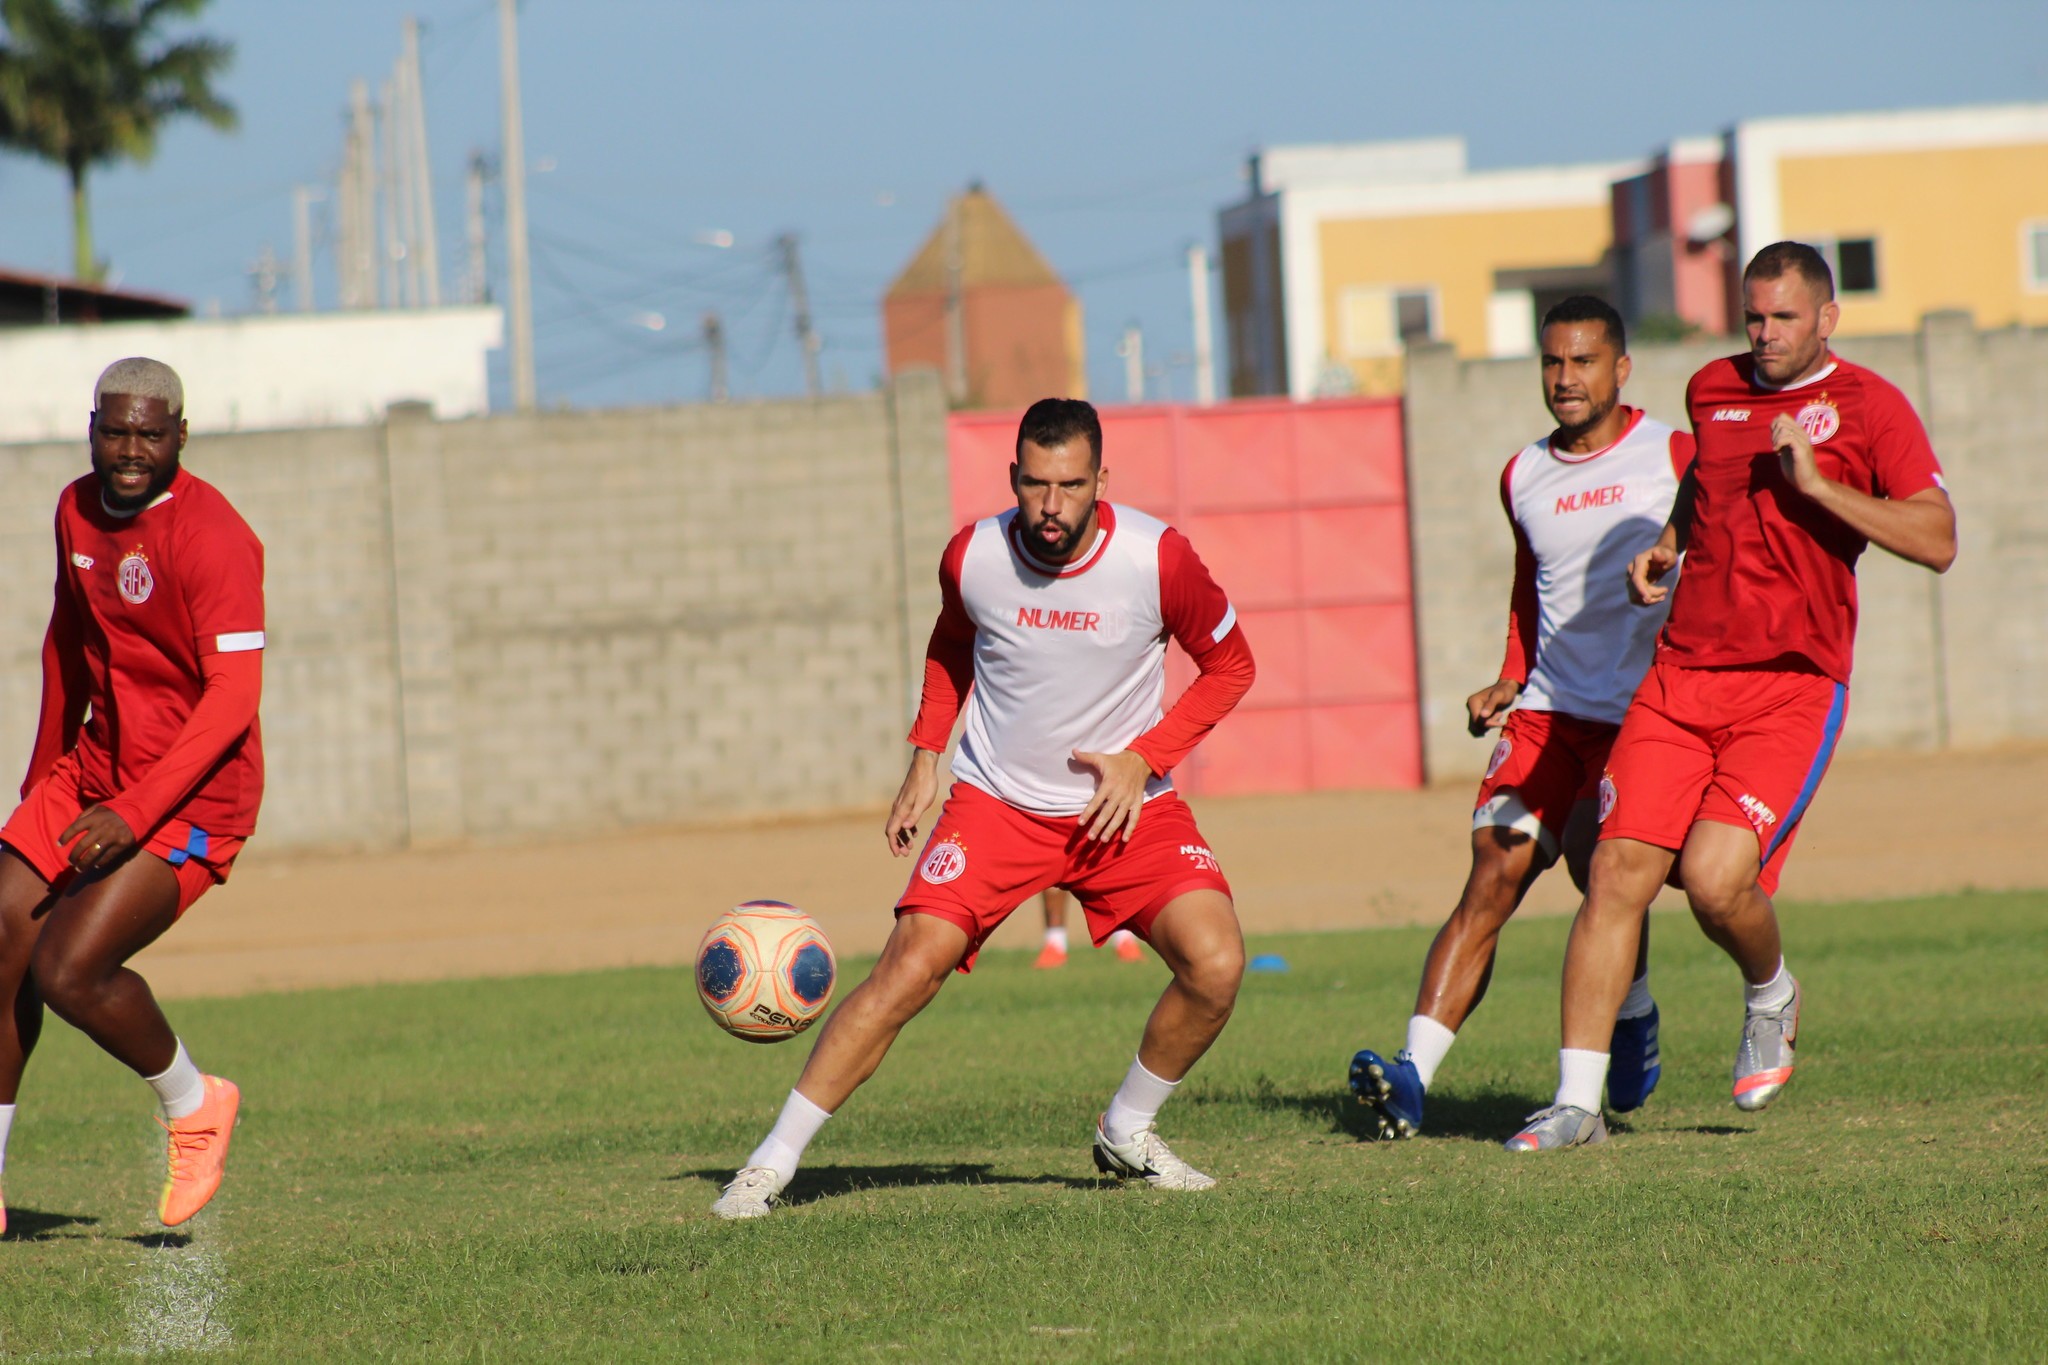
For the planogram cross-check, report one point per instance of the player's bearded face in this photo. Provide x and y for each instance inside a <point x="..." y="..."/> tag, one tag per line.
<point x="135" y="448"/>
<point x="1582" y="375"/>
<point x="1056" y="493"/>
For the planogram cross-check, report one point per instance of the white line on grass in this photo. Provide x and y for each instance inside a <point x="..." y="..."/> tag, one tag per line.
<point x="177" y="1304"/>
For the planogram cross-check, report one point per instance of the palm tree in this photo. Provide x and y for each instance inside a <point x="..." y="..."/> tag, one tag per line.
<point x="87" y="82"/>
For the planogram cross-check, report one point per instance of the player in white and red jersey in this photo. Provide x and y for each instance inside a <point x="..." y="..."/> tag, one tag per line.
<point x="1804" y="459"/>
<point x="1582" y="502"/>
<point x="1053" y="632"/>
<point x="147" y="768"/>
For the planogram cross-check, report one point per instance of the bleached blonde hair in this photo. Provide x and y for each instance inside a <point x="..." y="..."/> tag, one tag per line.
<point x="141" y="377"/>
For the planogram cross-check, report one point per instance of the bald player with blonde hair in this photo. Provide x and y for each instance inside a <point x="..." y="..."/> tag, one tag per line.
<point x="147" y="767"/>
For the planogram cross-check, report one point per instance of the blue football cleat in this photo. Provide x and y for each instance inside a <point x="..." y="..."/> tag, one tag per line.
<point x="1633" y="1064"/>
<point x="1392" y="1090"/>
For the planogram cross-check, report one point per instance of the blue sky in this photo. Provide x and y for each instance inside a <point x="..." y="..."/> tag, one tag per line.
<point x="1112" y="130"/>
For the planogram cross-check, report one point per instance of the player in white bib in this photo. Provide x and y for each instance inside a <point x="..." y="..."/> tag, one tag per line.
<point x="1053" y="633"/>
<point x="1583" y="502"/>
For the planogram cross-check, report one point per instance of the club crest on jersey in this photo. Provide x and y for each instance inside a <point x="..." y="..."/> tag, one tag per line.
<point x="1500" y="756"/>
<point x="946" y="861"/>
<point x="1819" y="420"/>
<point x="135" y="580"/>
<point x="1607" y="796"/>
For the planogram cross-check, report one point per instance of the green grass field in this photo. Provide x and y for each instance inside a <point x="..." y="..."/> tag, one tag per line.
<point x="521" y="1169"/>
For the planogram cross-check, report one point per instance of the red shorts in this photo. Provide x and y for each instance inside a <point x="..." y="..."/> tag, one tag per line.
<point x="200" y="860"/>
<point x="1735" y="746"/>
<point x="1545" y="763"/>
<point x="986" y="857"/>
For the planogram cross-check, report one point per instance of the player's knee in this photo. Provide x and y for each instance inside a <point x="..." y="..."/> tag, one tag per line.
<point x="904" y="987"/>
<point x="1213" y="974"/>
<point x="1715" y="891"/>
<point x="66" y="984"/>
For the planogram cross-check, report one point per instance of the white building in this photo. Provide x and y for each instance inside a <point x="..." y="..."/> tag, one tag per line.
<point x="259" y="372"/>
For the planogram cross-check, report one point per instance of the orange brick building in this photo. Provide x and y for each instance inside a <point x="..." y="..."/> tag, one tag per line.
<point x="978" y="304"/>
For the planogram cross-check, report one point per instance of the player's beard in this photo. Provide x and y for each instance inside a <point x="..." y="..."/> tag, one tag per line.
<point x="1070" y="536"/>
<point x="159" y="480"/>
<point x="1596" y="413"/>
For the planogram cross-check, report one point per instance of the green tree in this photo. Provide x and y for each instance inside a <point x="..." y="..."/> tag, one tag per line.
<point x="87" y="82"/>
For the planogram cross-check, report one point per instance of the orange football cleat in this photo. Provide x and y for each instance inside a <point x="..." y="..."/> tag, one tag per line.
<point x="1051" y="955"/>
<point x="1128" y="949"/>
<point x="197" y="1149"/>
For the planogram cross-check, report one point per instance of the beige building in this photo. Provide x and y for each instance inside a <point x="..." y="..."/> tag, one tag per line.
<point x="1345" y="254"/>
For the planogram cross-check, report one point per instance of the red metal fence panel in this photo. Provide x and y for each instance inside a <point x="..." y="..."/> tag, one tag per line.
<point x="1300" y="510"/>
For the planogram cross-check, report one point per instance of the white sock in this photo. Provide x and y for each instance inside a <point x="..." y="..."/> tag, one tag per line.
<point x="1774" y="994"/>
<point x="1581" y="1076"/>
<point x="1121" y="937"/>
<point x="1428" y="1041"/>
<point x="6" y="1124"/>
<point x="1137" y="1102"/>
<point x="181" y="1089"/>
<point x="1637" y="1002"/>
<point x="783" y="1148"/>
<point x="1056" y="937"/>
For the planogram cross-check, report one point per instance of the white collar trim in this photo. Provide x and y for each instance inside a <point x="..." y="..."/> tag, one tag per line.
<point x="157" y="501"/>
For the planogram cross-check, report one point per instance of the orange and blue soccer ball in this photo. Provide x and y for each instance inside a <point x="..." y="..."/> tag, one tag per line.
<point x="765" y="971"/>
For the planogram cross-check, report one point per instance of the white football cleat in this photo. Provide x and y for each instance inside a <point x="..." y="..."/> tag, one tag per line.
<point x="1147" y="1157"/>
<point x="750" y="1195"/>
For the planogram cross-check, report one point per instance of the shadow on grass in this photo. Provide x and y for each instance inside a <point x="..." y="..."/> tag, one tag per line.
<point x="1489" y="1116"/>
<point x="824" y="1182"/>
<point x="34" y="1225"/>
<point x="159" y="1241"/>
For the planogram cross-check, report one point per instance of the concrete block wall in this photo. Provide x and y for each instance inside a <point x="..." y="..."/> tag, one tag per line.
<point x="564" y="622"/>
<point x="1939" y="660"/>
<point x="317" y="500"/>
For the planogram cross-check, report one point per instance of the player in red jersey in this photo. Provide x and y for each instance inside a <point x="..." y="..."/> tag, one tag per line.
<point x="147" y="768"/>
<point x="1053" y="634"/>
<point x="1803" y="460"/>
<point x="1581" y="502"/>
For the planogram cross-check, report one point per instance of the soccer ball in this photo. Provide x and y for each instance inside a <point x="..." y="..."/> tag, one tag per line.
<point x="765" y="971"/>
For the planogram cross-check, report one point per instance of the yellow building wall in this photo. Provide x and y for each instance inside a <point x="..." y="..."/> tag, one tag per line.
<point x="1456" y="254"/>
<point x="1947" y="225"/>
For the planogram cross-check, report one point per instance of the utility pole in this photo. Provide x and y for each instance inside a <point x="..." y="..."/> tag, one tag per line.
<point x="476" y="282"/>
<point x="394" y="235"/>
<point x="302" y="246"/>
<point x="1198" y="292"/>
<point x="425" y="248"/>
<point x="800" y="301"/>
<point x="513" y="158"/>
<point x="1132" y="349"/>
<point x="956" y="306"/>
<point x="264" y="275"/>
<point x="359" y="183"/>
<point x="714" y="342"/>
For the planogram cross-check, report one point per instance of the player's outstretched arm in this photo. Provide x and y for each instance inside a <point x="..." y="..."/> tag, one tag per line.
<point x="1920" y="528"/>
<point x="1487" y="709"/>
<point x="230" y="694"/>
<point x="65" y="690"/>
<point x="913" y="799"/>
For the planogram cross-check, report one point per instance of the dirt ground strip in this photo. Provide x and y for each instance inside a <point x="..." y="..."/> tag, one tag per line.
<point x="1884" y="825"/>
